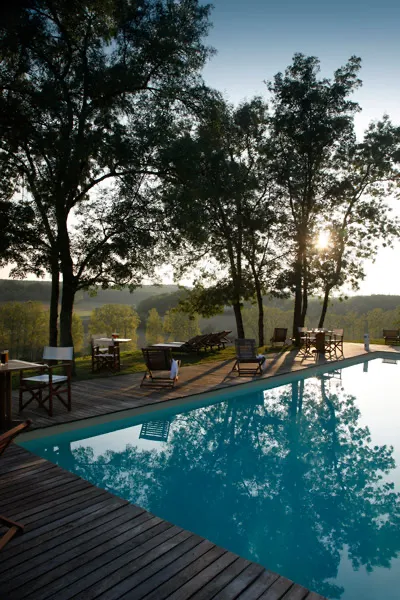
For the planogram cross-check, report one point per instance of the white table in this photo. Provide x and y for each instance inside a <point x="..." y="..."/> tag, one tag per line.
<point x="6" y="387"/>
<point x="167" y="345"/>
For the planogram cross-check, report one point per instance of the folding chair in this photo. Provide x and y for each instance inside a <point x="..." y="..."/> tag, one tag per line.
<point x="337" y="341"/>
<point x="14" y="528"/>
<point x="53" y="385"/>
<point x="160" y="359"/>
<point x="105" y="359"/>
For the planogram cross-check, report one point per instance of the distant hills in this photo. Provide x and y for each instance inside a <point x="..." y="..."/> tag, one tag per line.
<point x="23" y="291"/>
<point x="12" y="290"/>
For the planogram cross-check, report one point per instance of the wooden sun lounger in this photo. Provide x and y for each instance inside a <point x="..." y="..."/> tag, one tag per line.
<point x="391" y="335"/>
<point x="246" y="354"/>
<point x="158" y="359"/>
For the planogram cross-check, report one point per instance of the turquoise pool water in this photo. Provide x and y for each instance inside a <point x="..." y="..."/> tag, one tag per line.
<point x="302" y="478"/>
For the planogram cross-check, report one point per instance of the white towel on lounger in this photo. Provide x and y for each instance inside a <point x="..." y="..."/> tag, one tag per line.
<point x="174" y="369"/>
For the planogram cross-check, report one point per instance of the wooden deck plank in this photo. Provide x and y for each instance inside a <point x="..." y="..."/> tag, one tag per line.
<point x="222" y="580"/>
<point x="56" y="563"/>
<point x="259" y="586"/>
<point x="277" y="590"/>
<point x="199" y="581"/>
<point x="62" y="544"/>
<point x="241" y="582"/>
<point x="155" y="573"/>
<point x="296" y="592"/>
<point x="96" y="582"/>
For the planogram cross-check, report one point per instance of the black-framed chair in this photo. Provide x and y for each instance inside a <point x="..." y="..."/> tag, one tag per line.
<point x="337" y="341"/>
<point x="105" y="358"/>
<point x="248" y="363"/>
<point x="160" y="360"/>
<point x="47" y="385"/>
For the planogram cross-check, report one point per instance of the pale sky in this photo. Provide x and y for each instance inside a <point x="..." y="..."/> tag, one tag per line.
<point x="257" y="38"/>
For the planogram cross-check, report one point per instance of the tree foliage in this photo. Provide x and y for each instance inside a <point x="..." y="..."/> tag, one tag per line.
<point x="154" y="328"/>
<point x="89" y="94"/>
<point x="115" y="318"/>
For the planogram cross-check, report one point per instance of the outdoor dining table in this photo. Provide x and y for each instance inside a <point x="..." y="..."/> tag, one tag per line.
<point x="319" y="335"/>
<point x="6" y="388"/>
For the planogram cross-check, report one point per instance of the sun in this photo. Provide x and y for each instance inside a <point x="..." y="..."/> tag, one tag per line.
<point x="323" y="240"/>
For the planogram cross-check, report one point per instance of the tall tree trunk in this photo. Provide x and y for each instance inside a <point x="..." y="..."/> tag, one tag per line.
<point x="304" y="306"/>
<point x="260" y="306"/>
<point x="54" y="300"/>
<point x="261" y="340"/>
<point x="239" y="319"/>
<point x="298" y="298"/>
<point x="324" y="308"/>
<point x="68" y="287"/>
<point x="67" y="305"/>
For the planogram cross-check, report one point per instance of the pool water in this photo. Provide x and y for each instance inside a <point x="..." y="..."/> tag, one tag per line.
<point x="302" y="478"/>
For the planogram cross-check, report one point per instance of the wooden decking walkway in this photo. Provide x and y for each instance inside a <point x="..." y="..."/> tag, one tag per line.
<point x="123" y="392"/>
<point x="84" y="543"/>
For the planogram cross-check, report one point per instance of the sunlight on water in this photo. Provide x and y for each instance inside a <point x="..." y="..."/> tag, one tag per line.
<point x="301" y="478"/>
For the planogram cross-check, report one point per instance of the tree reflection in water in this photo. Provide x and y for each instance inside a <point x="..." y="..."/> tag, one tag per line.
<point x="289" y="480"/>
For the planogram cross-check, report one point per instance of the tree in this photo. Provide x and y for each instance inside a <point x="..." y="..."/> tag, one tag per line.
<point x="154" y="328"/>
<point x="179" y="326"/>
<point x="311" y="126"/>
<point x="115" y="318"/>
<point x="361" y="220"/>
<point x="23" y="329"/>
<point x="220" y="200"/>
<point x="89" y="91"/>
<point x="78" y="333"/>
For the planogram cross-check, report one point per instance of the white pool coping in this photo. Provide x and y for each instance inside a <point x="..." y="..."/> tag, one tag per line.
<point x="198" y="400"/>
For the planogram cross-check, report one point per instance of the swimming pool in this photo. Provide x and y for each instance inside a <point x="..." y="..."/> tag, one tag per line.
<point x="302" y="478"/>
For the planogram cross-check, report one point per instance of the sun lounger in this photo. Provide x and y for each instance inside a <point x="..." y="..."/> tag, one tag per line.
<point x="160" y="359"/>
<point x="246" y="354"/>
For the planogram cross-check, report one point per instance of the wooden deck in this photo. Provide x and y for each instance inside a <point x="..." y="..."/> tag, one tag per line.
<point x="115" y="393"/>
<point x="82" y="542"/>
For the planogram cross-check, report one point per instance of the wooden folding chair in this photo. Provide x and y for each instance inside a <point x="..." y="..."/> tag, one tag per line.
<point x="246" y="354"/>
<point x="14" y="528"/>
<point x="159" y="359"/>
<point x="54" y="386"/>
<point x="337" y="341"/>
<point x="105" y="359"/>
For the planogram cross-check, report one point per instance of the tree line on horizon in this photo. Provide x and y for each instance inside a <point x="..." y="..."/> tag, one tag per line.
<point x="116" y="158"/>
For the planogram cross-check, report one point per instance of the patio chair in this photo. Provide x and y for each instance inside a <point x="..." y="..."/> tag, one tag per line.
<point x="195" y="344"/>
<point x="246" y="354"/>
<point x="160" y="359"/>
<point x="14" y="528"/>
<point x="307" y="341"/>
<point x="336" y="341"/>
<point x="217" y="340"/>
<point x="54" y="386"/>
<point x="105" y="359"/>
<point x="391" y="335"/>
<point x="279" y="336"/>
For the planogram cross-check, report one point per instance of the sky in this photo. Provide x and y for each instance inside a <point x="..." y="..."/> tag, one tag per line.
<point x="255" y="39"/>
